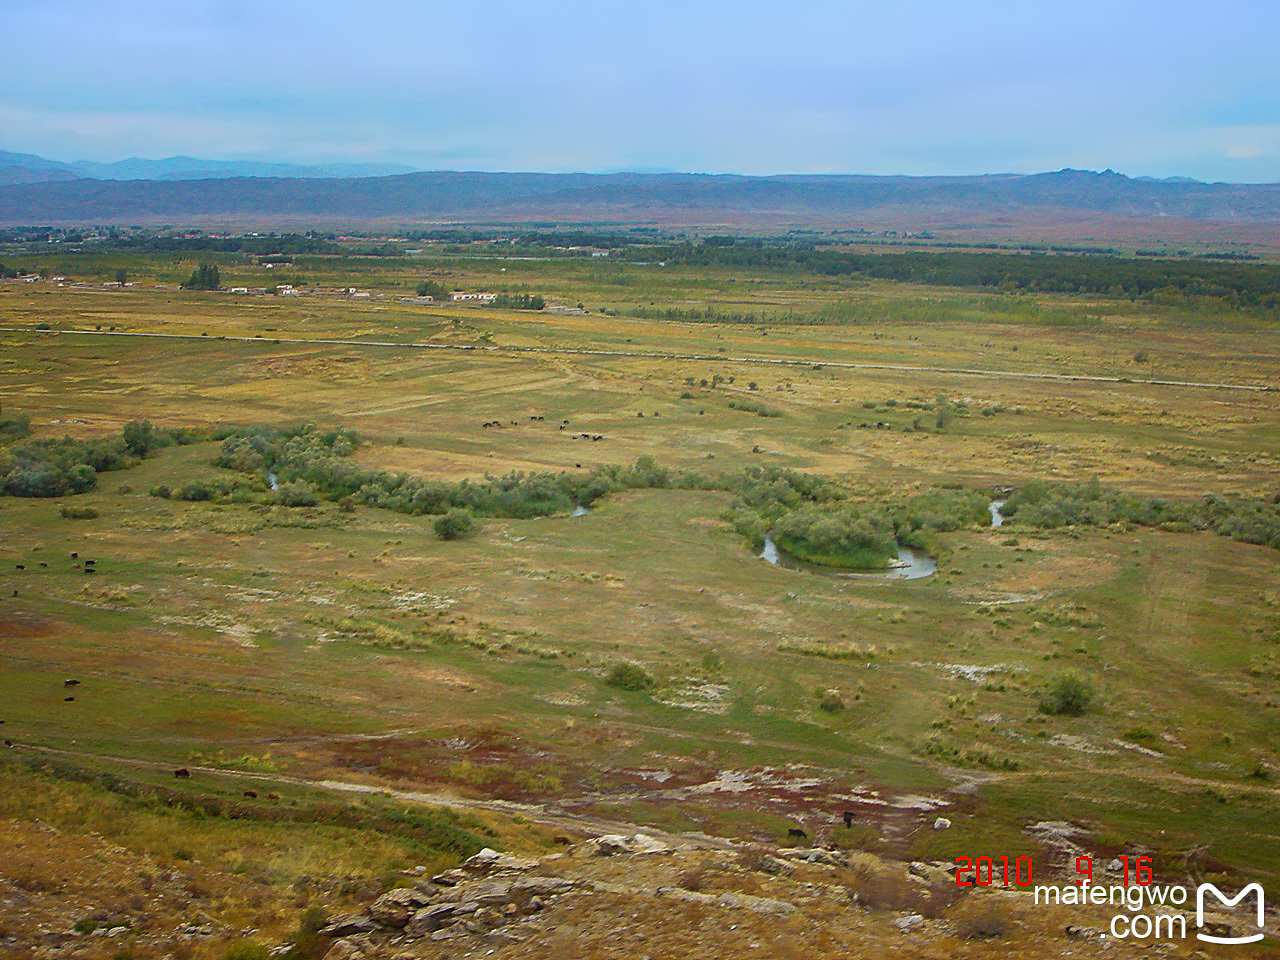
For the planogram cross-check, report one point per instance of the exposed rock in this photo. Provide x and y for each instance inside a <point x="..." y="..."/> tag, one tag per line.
<point x="613" y="844"/>
<point x="394" y="908"/>
<point x="351" y="948"/>
<point x="486" y="893"/>
<point x="347" y="924"/>
<point x="942" y="823"/>
<point x="432" y="918"/>
<point x="813" y="855"/>
<point x="908" y="922"/>
<point x="1083" y="933"/>
<point x="449" y="878"/>
<point x="1217" y="925"/>
<point x="533" y="887"/>
<point x="743" y="901"/>
<point x="772" y="865"/>
<point x="489" y="860"/>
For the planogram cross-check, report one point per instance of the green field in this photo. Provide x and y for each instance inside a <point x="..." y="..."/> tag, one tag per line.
<point x="343" y="642"/>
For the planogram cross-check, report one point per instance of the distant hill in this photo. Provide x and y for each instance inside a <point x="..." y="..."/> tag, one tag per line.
<point x="29" y="168"/>
<point x="1067" y="196"/>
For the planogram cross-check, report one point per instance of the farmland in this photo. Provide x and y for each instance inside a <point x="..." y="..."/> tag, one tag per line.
<point x="636" y="664"/>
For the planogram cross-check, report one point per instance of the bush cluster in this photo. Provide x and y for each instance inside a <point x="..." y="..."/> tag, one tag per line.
<point x="1052" y="505"/>
<point x="57" y="468"/>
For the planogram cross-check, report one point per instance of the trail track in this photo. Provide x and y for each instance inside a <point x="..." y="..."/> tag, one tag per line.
<point x="658" y="355"/>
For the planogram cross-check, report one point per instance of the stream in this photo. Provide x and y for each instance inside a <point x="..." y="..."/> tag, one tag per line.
<point x="910" y="565"/>
<point x="997" y="518"/>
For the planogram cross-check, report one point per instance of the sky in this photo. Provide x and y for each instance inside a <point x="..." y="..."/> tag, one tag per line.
<point x="1170" y="88"/>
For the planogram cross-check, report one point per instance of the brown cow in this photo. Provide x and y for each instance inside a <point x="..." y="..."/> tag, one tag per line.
<point x="182" y="773"/>
<point x="251" y="794"/>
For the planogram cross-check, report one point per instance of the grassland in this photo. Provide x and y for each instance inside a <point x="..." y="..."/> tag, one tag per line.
<point x="285" y="647"/>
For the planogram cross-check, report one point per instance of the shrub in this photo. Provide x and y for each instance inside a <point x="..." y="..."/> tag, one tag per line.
<point x="298" y="493"/>
<point x="987" y="924"/>
<point x="830" y="701"/>
<point x="1067" y="694"/>
<point x="78" y="513"/>
<point x="455" y="525"/>
<point x="247" y="950"/>
<point x="751" y="406"/>
<point x="842" y="536"/>
<point x="629" y="676"/>
<point x="195" y="492"/>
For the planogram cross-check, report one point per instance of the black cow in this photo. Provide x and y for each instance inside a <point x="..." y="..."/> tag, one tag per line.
<point x="848" y="819"/>
<point x="18" y="566"/>
<point x="71" y="683"/>
<point x="797" y="834"/>
<point x="43" y="564"/>
<point x="68" y="699"/>
<point x="75" y="556"/>
<point x="182" y="773"/>
<point x="251" y="794"/>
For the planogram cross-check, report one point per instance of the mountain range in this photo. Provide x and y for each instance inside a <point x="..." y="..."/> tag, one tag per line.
<point x="1063" y="201"/>
<point x="29" y="168"/>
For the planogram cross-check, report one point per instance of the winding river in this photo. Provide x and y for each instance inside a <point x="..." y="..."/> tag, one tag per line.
<point x="910" y="565"/>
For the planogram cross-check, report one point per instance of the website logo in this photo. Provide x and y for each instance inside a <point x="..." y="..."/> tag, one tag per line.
<point x="1228" y="902"/>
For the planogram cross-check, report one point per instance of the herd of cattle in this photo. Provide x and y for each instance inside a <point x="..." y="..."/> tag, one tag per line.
<point x="564" y="425"/>
<point x="89" y="567"/>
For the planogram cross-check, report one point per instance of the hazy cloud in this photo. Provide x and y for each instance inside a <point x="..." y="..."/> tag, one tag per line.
<point x="922" y="86"/>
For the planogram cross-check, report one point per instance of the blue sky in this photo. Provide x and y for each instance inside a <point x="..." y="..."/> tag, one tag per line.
<point x="912" y="86"/>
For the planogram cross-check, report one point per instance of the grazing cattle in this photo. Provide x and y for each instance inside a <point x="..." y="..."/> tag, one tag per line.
<point x="75" y="556"/>
<point x="15" y="593"/>
<point x="578" y="465"/>
<point x="848" y="819"/>
<point x="18" y="566"/>
<point x="89" y="570"/>
<point x="273" y="796"/>
<point x="561" y="840"/>
<point x="562" y="426"/>
<point x="43" y="564"/>
<point x="8" y="743"/>
<point x="182" y="773"/>
<point x="67" y="699"/>
<point x="71" y="683"/>
<point x="251" y="794"/>
<point x="797" y="834"/>
<point x="90" y="563"/>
